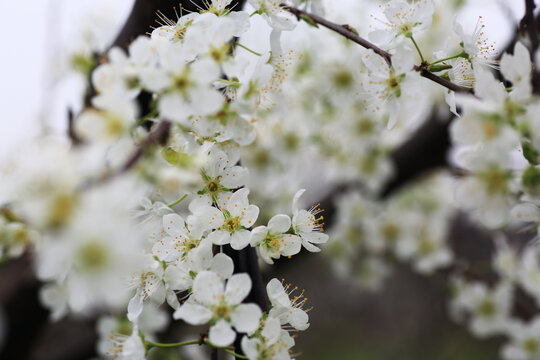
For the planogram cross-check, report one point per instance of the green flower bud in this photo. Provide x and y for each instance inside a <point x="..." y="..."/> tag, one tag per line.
<point x="531" y="179"/>
<point x="530" y="153"/>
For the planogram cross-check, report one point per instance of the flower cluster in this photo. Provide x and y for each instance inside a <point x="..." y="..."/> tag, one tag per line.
<point x="194" y="149"/>
<point x="144" y="205"/>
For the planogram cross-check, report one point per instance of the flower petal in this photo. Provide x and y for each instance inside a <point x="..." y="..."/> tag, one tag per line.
<point x="298" y="319"/>
<point x="295" y="200"/>
<point x="239" y="202"/>
<point x="279" y="224"/>
<point x="222" y="265"/>
<point x="246" y="317"/>
<point x="221" y="334"/>
<point x="220" y="237"/>
<point x="258" y="234"/>
<point x="174" y="225"/>
<point x="526" y="212"/>
<point x="276" y="293"/>
<point x="234" y="177"/>
<point x="240" y="239"/>
<point x="249" y="347"/>
<point x="237" y="289"/>
<point x="315" y="237"/>
<point x="135" y="306"/>
<point x="249" y="216"/>
<point x="291" y="245"/>
<point x="271" y="330"/>
<point x="207" y="288"/>
<point x="193" y="314"/>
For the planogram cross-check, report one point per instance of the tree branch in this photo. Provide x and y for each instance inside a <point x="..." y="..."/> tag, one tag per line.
<point x="529" y="25"/>
<point x="348" y="33"/>
<point x="344" y="30"/>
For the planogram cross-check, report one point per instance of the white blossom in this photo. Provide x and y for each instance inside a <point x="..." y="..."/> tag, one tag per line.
<point x="307" y="226"/>
<point x="212" y="301"/>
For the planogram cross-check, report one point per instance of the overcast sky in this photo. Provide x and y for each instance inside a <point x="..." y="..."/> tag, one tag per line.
<point x="34" y="38"/>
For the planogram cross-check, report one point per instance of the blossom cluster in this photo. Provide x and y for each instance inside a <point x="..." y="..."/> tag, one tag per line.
<point x="194" y="146"/>
<point x="140" y="209"/>
<point x="345" y="106"/>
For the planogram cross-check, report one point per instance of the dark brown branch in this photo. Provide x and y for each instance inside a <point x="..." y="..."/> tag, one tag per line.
<point x="529" y="24"/>
<point x="348" y="33"/>
<point x="143" y="16"/>
<point x="72" y="134"/>
<point x="158" y="136"/>
<point x="424" y="151"/>
<point x="344" y="30"/>
<point x="443" y="82"/>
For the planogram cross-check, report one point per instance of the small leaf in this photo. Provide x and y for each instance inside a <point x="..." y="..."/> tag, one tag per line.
<point x="439" y="67"/>
<point x="309" y="20"/>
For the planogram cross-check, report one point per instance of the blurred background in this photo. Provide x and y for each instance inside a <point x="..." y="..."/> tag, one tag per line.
<point x="406" y="319"/>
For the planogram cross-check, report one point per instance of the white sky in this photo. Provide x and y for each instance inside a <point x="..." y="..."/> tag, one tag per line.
<point x="32" y="42"/>
<point x="34" y="39"/>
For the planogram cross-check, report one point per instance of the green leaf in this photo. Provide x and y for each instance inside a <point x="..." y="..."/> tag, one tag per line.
<point x="439" y="67"/>
<point x="309" y="20"/>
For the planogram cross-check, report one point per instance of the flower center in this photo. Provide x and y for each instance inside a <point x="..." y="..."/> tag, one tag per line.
<point x="61" y="207"/>
<point x="213" y="186"/>
<point x="21" y="236"/>
<point x="487" y="308"/>
<point x="113" y="124"/>
<point x="222" y="312"/>
<point x="426" y="246"/>
<point x="182" y="82"/>
<point x="343" y="79"/>
<point x="291" y="141"/>
<point x="531" y="345"/>
<point x="93" y="256"/>
<point x="273" y="241"/>
<point x="405" y="29"/>
<point x="496" y="180"/>
<point x="231" y="224"/>
<point x="390" y="232"/>
<point x="365" y="126"/>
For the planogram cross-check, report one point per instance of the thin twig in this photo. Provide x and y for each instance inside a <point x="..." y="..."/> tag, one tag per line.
<point x="346" y="31"/>
<point x="340" y="29"/>
<point x="443" y="82"/>
<point x="72" y="134"/>
<point x="159" y="136"/>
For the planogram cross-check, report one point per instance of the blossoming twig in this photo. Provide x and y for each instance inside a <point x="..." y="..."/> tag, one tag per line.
<point x="346" y="31"/>
<point x="340" y="29"/>
<point x="158" y="136"/>
<point x="150" y="344"/>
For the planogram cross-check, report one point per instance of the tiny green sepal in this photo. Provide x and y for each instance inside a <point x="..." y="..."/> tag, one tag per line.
<point x="309" y="20"/>
<point x="351" y="29"/>
<point x="437" y="68"/>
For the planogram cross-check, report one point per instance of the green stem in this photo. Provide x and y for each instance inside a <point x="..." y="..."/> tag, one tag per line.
<point x="177" y="201"/>
<point x="417" y="48"/>
<point x="152" y="114"/>
<point x="248" y="49"/>
<point x="150" y="344"/>
<point x="448" y="58"/>
<point x="227" y="350"/>
<point x="238" y="356"/>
